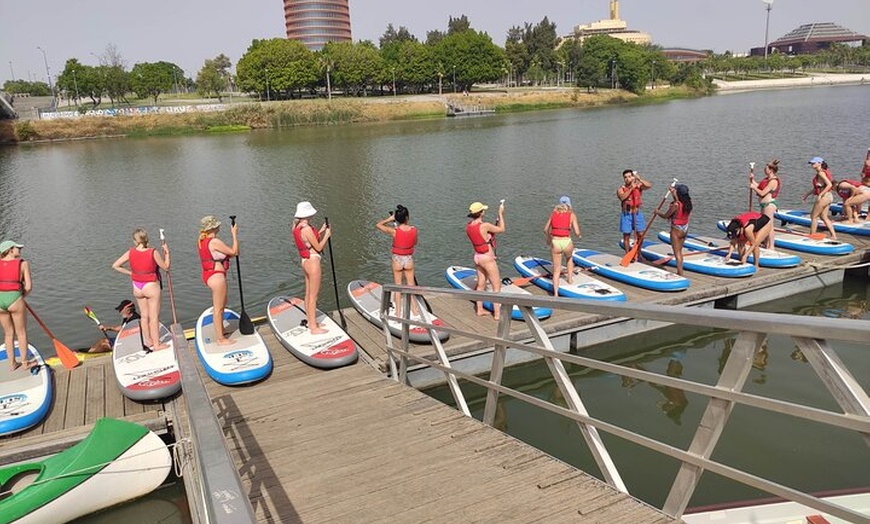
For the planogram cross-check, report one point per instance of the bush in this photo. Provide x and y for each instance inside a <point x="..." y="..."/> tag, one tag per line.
<point x="24" y="131"/>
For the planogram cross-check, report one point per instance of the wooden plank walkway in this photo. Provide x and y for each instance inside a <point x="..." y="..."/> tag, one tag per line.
<point x="704" y="289"/>
<point x="348" y="445"/>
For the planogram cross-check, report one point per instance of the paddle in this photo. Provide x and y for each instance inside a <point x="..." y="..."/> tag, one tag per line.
<point x="632" y="253"/>
<point x="665" y="260"/>
<point x="93" y="316"/>
<point x="334" y="279"/>
<point x="169" y="282"/>
<point x="65" y="354"/>
<point x="246" y="327"/>
<point x="492" y="237"/>
<point x="751" y="178"/>
<point x="522" y="281"/>
<point x="814" y="236"/>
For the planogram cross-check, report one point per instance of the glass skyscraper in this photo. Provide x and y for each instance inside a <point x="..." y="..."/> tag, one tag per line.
<point x="315" y="22"/>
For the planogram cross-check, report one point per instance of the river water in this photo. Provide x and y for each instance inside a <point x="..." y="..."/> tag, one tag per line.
<point x="74" y="206"/>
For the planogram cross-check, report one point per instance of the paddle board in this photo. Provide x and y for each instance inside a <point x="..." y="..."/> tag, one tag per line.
<point x="584" y="286"/>
<point x="708" y="263"/>
<point x="466" y="278"/>
<point x="246" y="360"/>
<point x="767" y="257"/>
<point x="25" y="395"/>
<point x="802" y="242"/>
<point x="326" y="350"/>
<point x="837" y="209"/>
<point x="635" y="273"/>
<point x="802" y="218"/>
<point x="366" y="298"/>
<point x="145" y="375"/>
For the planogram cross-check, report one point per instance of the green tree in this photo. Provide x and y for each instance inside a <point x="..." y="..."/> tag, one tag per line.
<point x="68" y="80"/>
<point x="277" y="66"/>
<point x="151" y="79"/>
<point x="355" y="66"/>
<point x="212" y="78"/>
<point x="23" y="87"/>
<point x="458" y="25"/>
<point x="115" y="81"/>
<point x="517" y="52"/>
<point x="474" y="57"/>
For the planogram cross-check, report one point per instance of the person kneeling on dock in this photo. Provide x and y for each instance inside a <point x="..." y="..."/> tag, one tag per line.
<point x="746" y="233"/>
<point x="128" y="313"/>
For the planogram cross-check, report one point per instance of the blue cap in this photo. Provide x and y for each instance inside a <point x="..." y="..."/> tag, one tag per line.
<point x="816" y="160"/>
<point x="565" y="200"/>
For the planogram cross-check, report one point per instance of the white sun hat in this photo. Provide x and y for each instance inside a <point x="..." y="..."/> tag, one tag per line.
<point x="304" y="210"/>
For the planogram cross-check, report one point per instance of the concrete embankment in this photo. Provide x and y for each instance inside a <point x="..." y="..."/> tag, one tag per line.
<point x="814" y="80"/>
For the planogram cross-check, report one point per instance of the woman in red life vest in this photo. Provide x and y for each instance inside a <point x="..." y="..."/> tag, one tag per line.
<point x="214" y="259"/>
<point x="767" y="191"/>
<point x="854" y="194"/>
<point x="15" y="284"/>
<point x="402" y="252"/>
<point x="746" y="233"/>
<point x="144" y="262"/>
<point x="678" y="212"/>
<point x="822" y="189"/>
<point x="481" y="234"/>
<point x="558" y="232"/>
<point x="310" y="243"/>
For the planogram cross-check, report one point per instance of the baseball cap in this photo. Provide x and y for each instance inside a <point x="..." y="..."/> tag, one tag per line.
<point x="6" y="245"/>
<point x="477" y="207"/>
<point x="816" y="159"/>
<point x="565" y="200"/>
<point x="124" y="303"/>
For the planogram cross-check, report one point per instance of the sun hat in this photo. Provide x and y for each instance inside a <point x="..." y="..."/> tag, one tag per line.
<point x="477" y="207"/>
<point x="124" y="303"/>
<point x="208" y="223"/>
<point x="304" y="210"/>
<point x="565" y="200"/>
<point x="816" y="160"/>
<point x="6" y="245"/>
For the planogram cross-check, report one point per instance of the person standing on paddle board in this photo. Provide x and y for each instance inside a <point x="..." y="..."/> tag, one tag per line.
<point x="767" y="191"/>
<point x="678" y="212"/>
<point x="630" y="199"/>
<point x="144" y="262"/>
<point x="15" y="284"/>
<point x="128" y="312"/>
<point x="310" y="243"/>
<point x="482" y="235"/>
<point x="402" y="252"/>
<point x="558" y="232"/>
<point x="822" y="189"/>
<point x="746" y="232"/>
<point x="214" y="257"/>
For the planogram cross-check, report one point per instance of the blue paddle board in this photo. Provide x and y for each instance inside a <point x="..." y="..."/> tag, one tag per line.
<point x="767" y="257"/>
<point x="706" y="263"/>
<point x="802" y="218"/>
<point x="244" y="361"/>
<point x="25" y="394"/>
<point x="584" y="286"/>
<point x="466" y="278"/>
<point x="798" y="241"/>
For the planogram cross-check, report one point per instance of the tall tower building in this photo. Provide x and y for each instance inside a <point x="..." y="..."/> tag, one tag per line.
<point x="315" y="22"/>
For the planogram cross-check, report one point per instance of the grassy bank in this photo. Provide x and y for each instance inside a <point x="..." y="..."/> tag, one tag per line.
<point x="256" y="115"/>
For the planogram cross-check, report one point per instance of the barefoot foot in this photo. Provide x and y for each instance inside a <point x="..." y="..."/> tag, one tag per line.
<point x="225" y="341"/>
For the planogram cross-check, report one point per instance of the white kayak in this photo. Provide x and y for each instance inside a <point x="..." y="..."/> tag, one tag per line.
<point x="366" y="298"/>
<point x="25" y="394"/>
<point x="802" y="218"/>
<point x="584" y="286"/>
<point x="635" y="273"/>
<point x="767" y="257"/>
<point x="143" y="374"/>
<point x="244" y="361"/>
<point x="466" y="278"/>
<point x="797" y="241"/>
<point x="327" y="350"/>
<point x="700" y="262"/>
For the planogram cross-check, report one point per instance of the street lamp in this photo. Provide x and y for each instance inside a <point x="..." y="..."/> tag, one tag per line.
<point x="454" y="79"/>
<point x="394" y="80"/>
<point x="652" y="74"/>
<point x="76" y="84"/>
<point x="47" y="74"/>
<point x="11" y="70"/>
<point x="268" y="94"/>
<point x="767" y="25"/>
<point x="440" y="76"/>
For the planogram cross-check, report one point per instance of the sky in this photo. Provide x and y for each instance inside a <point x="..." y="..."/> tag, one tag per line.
<point x="187" y="32"/>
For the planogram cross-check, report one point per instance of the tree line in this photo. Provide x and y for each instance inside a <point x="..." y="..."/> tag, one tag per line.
<point x="453" y="60"/>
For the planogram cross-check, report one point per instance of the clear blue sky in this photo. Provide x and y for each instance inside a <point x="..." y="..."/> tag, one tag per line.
<point x="187" y="32"/>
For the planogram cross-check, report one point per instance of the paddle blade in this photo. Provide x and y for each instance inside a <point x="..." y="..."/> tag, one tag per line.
<point x="246" y="327"/>
<point x="91" y="315"/>
<point x="630" y="256"/>
<point x="522" y="281"/>
<point x="66" y="355"/>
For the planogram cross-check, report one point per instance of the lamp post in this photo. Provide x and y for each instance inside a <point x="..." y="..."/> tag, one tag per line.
<point x="440" y="76"/>
<point x="454" y="78"/>
<point x="268" y="94"/>
<point x="394" y="80"/>
<point x="76" y="84"/>
<point x="175" y="81"/>
<point x="11" y="70"/>
<point x="652" y="74"/>
<point x="328" y="81"/>
<point x="47" y="74"/>
<point x="767" y="24"/>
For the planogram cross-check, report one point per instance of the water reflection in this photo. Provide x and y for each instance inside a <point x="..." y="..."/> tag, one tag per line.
<point x="675" y="402"/>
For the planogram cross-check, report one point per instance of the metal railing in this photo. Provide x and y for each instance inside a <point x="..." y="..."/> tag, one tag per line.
<point x="752" y="327"/>
<point x="213" y="486"/>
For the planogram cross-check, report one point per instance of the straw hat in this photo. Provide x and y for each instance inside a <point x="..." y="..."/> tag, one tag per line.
<point x="208" y="223"/>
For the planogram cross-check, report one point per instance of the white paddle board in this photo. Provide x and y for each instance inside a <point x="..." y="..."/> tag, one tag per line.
<point x="327" y="350"/>
<point x="244" y="361"/>
<point x="25" y="394"/>
<point x="366" y="298"/>
<point x="141" y="374"/>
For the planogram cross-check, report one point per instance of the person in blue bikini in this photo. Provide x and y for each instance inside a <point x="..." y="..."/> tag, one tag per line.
<point x="15" y="284"/>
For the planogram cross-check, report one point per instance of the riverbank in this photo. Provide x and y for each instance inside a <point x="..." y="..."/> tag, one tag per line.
<point x="811" y="80"/>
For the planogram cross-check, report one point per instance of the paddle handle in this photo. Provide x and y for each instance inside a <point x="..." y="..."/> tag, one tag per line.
<point x="40" y="322"/>
<point x="751" y="176"/>
<point x="334" y="278"/>
<point x="169" y="283"/>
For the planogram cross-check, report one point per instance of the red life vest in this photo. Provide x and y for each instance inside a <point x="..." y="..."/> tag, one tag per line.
<point x="10" y="275"/>
<point x="746" y="217"/>
<point x="142" y="265"/>
<point x="681" y="217"/>
<point x="405" y="241"/>
<point x="775" y="192"/>
<point x="560" y="224"/>
<point x="207" y="260"/>
<point x="634" y="199"/>
<point x="304" y="251"/>
<point x="817" y="188"/>
<point x="844" y="194"/>
<point x="472" y="229"/>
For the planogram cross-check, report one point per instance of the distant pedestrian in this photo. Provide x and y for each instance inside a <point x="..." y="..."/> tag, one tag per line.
<point x="822" y="189"/>
<point x="746" y="232"/>
<point x="402" y="251"/>
<point x="482" y="236"/>
<point x="630" y="199"/>
<point x="558" y="230"/>
<point x="15" y="284"/>
<point x="214" y="258"/>
<point x="310" y="243"/>
<point x="767" y="190"/>
<point x="678" y="212"/>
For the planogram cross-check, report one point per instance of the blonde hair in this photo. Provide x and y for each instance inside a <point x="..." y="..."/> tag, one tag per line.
<point x="140" y="236"/>
<point x="562" y="208"/>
